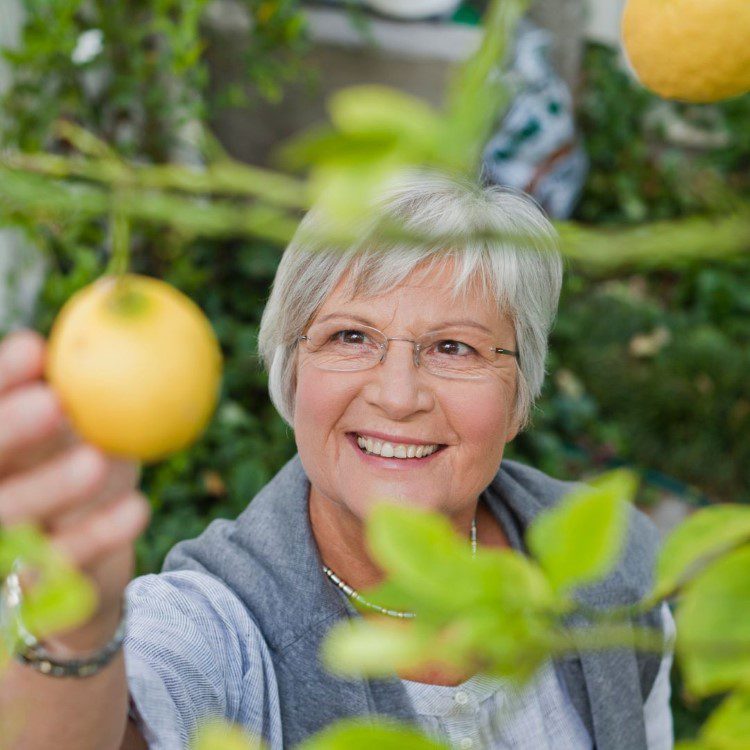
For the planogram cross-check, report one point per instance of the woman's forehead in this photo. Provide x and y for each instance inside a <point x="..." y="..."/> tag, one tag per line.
<point x="372" y="280"/>
<point x="428" y="294"/>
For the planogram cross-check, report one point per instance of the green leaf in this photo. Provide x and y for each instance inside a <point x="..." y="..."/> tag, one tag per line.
<point x="694" y="542"/>
<point x="379" y="111"/>
<point x="580" y="540"/>
<point x="511" y="581"/>
<point x="219" y="735"/>
<point x="513" y="647"/>
<point x="60" y="596"/>
<point x="728" y="727"/>
<point x="370" y="735"/>
<point x="430" y="564"/>
<point x="713" y="626"/>
<point x="59" y="601"/>
<point x="22" y="542"/>
<point x="357" y="647"/>
<point x="422" y="552"/>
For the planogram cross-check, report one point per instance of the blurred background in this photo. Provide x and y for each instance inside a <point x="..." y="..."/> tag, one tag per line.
<point x="648" y="368"/>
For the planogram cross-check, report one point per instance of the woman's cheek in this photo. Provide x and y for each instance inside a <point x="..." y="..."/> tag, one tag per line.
<point x="481" y="415"/>
<point x="321" y="399"/>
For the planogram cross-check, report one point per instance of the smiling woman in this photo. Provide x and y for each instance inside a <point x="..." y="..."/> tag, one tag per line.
<point x="404" y="370"/>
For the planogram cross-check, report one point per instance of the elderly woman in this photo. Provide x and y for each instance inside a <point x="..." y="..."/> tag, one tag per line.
<point x="403" y="374"/>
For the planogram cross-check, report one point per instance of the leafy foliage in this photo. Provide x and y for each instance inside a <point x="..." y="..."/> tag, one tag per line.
<point x="648" y="368"/>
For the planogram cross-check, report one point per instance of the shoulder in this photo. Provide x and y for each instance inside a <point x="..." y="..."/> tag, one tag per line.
<point x="205" y="612"/>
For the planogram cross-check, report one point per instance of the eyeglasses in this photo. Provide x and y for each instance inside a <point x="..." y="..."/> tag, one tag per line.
<point x="340" y="346"/>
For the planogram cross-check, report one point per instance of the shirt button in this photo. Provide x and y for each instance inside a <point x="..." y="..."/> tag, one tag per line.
<point x="466" y="743"/>
<point x="462" y="698"/>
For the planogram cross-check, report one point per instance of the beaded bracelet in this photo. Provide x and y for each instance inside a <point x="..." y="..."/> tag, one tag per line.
<point x="32" y="652"/>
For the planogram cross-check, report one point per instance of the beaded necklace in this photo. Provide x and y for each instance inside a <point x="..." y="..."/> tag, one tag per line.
<point x="356" y="596"/>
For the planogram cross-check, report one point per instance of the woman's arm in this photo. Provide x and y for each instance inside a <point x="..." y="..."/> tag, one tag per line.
<point x="193" y="653"/>
<point x="39" y="711"/>
<point x="87" y="504"/>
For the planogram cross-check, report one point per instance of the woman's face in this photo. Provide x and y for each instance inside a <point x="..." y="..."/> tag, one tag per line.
<point x="471" y="420"/>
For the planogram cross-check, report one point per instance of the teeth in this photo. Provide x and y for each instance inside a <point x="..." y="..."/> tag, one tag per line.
<point x="397" y="450"/>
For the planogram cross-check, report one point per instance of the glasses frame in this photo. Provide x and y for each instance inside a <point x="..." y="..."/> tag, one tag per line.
<point x="416" y="351"/>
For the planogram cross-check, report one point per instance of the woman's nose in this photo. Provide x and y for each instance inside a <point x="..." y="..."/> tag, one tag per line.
<point x="397" y="385"/>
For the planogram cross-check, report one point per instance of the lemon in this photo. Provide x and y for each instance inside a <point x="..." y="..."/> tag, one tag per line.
<point x="136" y="366"/>
<point x="691" y="50"/>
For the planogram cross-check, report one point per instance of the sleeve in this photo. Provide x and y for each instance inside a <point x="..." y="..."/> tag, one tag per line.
<point x="193" y="653"/>
<point x="657" y="713"/>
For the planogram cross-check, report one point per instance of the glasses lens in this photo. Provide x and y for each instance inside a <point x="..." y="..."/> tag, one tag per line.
<point x="341" y="346"/>
<point x="454" y="354"/>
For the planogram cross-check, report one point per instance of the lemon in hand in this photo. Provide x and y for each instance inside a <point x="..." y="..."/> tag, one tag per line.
<point x="690" y="50"/>
<point x="136" y="366"/>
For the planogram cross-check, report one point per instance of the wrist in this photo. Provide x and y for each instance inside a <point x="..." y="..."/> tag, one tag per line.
<point x="86" y="639"/>
<point x="61" y="656"/>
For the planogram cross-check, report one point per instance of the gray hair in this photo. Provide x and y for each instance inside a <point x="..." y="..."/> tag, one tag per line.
<point x="524" y="280"/>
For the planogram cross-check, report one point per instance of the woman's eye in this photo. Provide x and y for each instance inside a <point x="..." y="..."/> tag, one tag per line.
<point x="454" y="348"/>
<point x="350" y="337"/>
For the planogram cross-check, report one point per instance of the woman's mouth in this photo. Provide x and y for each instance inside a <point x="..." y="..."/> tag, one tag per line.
<point x="375" y="447"/>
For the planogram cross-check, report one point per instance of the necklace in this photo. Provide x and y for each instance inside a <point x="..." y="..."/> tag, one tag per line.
<point x="356" y="596"/>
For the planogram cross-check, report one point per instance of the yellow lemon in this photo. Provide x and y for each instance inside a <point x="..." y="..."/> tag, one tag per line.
<point x="690" y="50"/>
<point x="136" y="366"/>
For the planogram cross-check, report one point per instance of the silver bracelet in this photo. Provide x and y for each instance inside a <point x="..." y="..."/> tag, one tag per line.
<point x="32" y="653"/>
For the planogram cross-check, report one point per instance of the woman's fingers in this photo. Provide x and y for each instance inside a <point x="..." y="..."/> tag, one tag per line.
<point x="29" y="415"/>
<point x="121" y="477"/>
<point x="21" y="358"/>
<point x="105" y="530"/>
<point x="53" y="487"/>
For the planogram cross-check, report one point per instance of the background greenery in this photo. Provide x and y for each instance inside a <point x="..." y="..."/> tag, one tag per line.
<point x="645" y="368"/>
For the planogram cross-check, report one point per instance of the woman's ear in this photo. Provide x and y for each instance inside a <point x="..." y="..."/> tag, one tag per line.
<point x="514" y="427"/>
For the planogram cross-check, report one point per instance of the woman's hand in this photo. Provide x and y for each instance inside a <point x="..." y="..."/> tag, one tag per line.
<point x="84" y="501"/>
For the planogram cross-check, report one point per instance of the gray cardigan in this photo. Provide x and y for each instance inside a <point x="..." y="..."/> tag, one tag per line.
<point x="269" y="558"/>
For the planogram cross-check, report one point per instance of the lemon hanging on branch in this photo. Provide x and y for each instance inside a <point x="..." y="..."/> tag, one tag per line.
<point x="690" y="50"/>
<point x="136" y="366"/>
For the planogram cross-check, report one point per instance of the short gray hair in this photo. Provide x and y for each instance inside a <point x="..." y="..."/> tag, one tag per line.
<point x="524" y="281"/>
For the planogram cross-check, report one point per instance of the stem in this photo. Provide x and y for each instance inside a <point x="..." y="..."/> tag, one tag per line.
<point x="478" y="94"/>
<point x="226" y="178"/>
<point x="120" y="234"/>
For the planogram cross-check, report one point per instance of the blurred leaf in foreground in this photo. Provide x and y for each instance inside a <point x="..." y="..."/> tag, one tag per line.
<point x="705" y="535"/>
<point x="713" y="620"/>
<point x="581" y="539"/>
<point x="727" y="728"/>
<point x="377" y="132"/>
<point x="490" y="612"/>
<point x="370" y="735"/>
<point x="220" y="735"/>
<point x="58" y="599"/>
